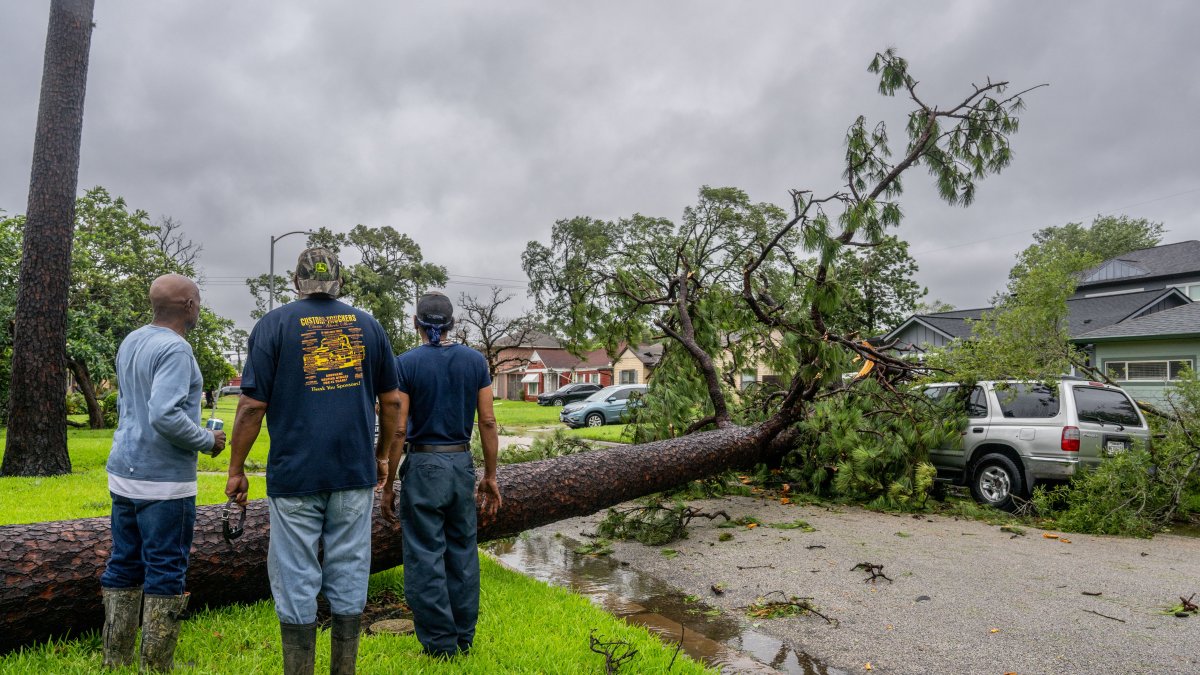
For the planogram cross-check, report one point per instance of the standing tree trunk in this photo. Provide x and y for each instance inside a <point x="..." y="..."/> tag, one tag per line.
<point x="88" y="389"/>
<point x="37" y="425"/>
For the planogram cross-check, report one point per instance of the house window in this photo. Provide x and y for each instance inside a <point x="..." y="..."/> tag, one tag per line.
<point x="629" y="377"/>
<point x="1190" y="290"/>
<point x="1147" y="371"/>
<point x="533" y="389"/>
<point x="749" y="377"/>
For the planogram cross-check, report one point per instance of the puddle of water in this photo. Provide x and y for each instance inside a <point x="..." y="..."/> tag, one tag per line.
<point x="718" y="641"/>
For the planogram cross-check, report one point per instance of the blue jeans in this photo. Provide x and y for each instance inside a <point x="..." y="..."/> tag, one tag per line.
<point x="441" y="558"/>
<point x="341" y="521"/>
<point x="151" y="543"/>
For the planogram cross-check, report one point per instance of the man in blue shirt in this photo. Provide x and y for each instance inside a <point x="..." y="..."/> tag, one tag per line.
<point x="152" y="478"/>
<point x="442" y="386"/>
<point x="315" y="369"/>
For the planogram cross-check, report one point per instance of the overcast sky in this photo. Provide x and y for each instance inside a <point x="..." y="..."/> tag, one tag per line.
<point x="474" y="126"/>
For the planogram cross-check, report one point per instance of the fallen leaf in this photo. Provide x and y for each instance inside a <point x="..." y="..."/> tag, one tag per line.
<point x="867" y="666"/>
<point x="1064" y="540"/>
<point x="751" y="526"/>
<point x="785" y="500"/>
<point x="891" y="627"/>
<point x="786" y="488"/>
<point x="1049" y="535"/>
<point x="994" y="630"/>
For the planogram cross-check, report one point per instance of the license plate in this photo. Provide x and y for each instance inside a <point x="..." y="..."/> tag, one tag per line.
<point x="1116" y="446"/>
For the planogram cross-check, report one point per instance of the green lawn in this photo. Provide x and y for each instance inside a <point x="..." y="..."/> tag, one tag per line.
<point x="525" y="626"/>
<point x="84" y="493"/>
<point x="615" y="433"/>
<point x="517" y="415"/>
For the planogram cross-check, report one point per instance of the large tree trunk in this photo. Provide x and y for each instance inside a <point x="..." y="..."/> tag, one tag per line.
<point x="37" y="429"/>
<point x="51" y="571"/>
<point x="84" y="379"/>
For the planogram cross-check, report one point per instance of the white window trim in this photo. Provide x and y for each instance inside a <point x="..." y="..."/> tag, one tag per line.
<point x="1191" y="365"/>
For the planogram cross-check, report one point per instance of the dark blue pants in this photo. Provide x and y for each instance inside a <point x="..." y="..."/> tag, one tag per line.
<point x="441" y="558"/>
<point x="151" y="542"/>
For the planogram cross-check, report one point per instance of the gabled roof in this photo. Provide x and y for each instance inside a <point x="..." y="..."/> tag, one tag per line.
<point x="648" y="354"/>
<point x="1148" y="263"/>
<point x="1083" y="314"/>
<point x="1182" y="321"/>
<point x="561" y="359"/>
<point x="1089" y="314"/>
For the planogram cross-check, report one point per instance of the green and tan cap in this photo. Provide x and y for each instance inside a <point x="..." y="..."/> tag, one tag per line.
<point x="318" y="271"/>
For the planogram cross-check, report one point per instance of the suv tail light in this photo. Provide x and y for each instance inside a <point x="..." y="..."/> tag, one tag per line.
<point x="1070" y="439"/>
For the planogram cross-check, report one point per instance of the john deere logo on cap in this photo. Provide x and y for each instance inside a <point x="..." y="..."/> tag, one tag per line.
<point x="322" y="268"/>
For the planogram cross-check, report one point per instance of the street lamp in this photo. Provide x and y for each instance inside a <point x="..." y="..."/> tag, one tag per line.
<point x="271" y="276"/>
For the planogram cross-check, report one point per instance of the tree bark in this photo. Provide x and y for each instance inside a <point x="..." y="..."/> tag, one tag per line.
<point x="84" y="378"/>
<point x="37" y="429"/>
<point x="50" y="571"/>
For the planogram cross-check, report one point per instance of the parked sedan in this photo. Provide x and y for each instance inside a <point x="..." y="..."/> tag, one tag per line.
<point x="576" y="391"/>
<point x="607" y="406"/>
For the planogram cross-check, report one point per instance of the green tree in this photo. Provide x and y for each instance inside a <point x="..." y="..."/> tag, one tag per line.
<point x="1107" y="237"/>
<point x="1025" y="335"/>
<point x="880" y="289"/>
<point x="761" y="281"/>
<point x="210" y="339"/>
<point x="116" y="254"/>
<point x="37" y="431"/>
<point x="10" y="263"/>
<point x="390" y="274"/>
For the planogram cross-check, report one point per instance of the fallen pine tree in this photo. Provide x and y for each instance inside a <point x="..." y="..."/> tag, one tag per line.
<point x="51" y="571"/>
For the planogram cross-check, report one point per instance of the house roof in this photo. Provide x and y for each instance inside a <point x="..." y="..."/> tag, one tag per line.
<point x="561" y="359"/>
<point x="648" y="354"/>
<point x="1083" y="314"/>
<point x="1148" y="263"/>
<point x="1182" y="321"/>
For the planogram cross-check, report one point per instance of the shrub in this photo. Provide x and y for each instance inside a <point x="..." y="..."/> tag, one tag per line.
<point x="108" y="405"/>
<point x="76" y="404"/>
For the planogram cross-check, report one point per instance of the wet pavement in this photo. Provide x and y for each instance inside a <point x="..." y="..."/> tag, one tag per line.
<point x="707" y="634"/>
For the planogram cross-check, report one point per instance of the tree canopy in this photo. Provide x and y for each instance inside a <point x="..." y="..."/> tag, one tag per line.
<point x="116" y="254"/>
<point x="735" y="279"/>
<point x="389" y="275"/>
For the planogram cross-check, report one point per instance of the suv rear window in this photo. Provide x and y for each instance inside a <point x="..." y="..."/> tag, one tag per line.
<point x="1105" y="405"/>
<point x="1028" y="400"/>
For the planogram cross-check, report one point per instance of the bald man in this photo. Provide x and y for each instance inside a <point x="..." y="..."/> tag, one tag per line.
<point x="152" y="479"/>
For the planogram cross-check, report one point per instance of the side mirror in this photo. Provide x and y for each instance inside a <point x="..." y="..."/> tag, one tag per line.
<point x="610" y="399"/>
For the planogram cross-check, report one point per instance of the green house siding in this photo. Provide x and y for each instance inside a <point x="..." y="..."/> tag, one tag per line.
<point x="1147" y="350"/>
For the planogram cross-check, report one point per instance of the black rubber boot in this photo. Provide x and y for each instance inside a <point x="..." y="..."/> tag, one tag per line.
<point x="343" y="643"/>
<point x="299" y="647"/>
<point x="122" y="614"/>
<point x="160" y="631"/>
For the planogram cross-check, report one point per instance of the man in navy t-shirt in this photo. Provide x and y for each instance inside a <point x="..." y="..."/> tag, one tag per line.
<point x="442" y="386"/>
<point x="315" y="369"/>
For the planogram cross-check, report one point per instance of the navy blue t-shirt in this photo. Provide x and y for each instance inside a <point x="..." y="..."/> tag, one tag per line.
<point x="319" y="365"/>
<point x="442" y="383"/>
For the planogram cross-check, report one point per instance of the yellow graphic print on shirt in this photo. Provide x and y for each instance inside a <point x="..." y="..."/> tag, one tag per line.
<point x="333" y="352"/>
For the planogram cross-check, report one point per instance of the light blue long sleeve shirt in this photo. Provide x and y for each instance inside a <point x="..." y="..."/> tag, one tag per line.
<point x="159" y="431"/>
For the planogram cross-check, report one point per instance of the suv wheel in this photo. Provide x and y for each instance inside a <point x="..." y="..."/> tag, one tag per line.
<point x="595" y="420"/>
<point x="995" y="481"/>
<point x="558" y="402"/>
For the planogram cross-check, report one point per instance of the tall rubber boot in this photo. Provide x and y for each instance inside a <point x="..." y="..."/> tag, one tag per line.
<point x="299" y="647"/>
<point x="122" y="614"/>
<point x="343" y="643"/>
<point x="160" y="631"/>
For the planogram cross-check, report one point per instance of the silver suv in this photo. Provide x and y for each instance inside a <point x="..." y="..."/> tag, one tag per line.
<point x="1022" y="433"/>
